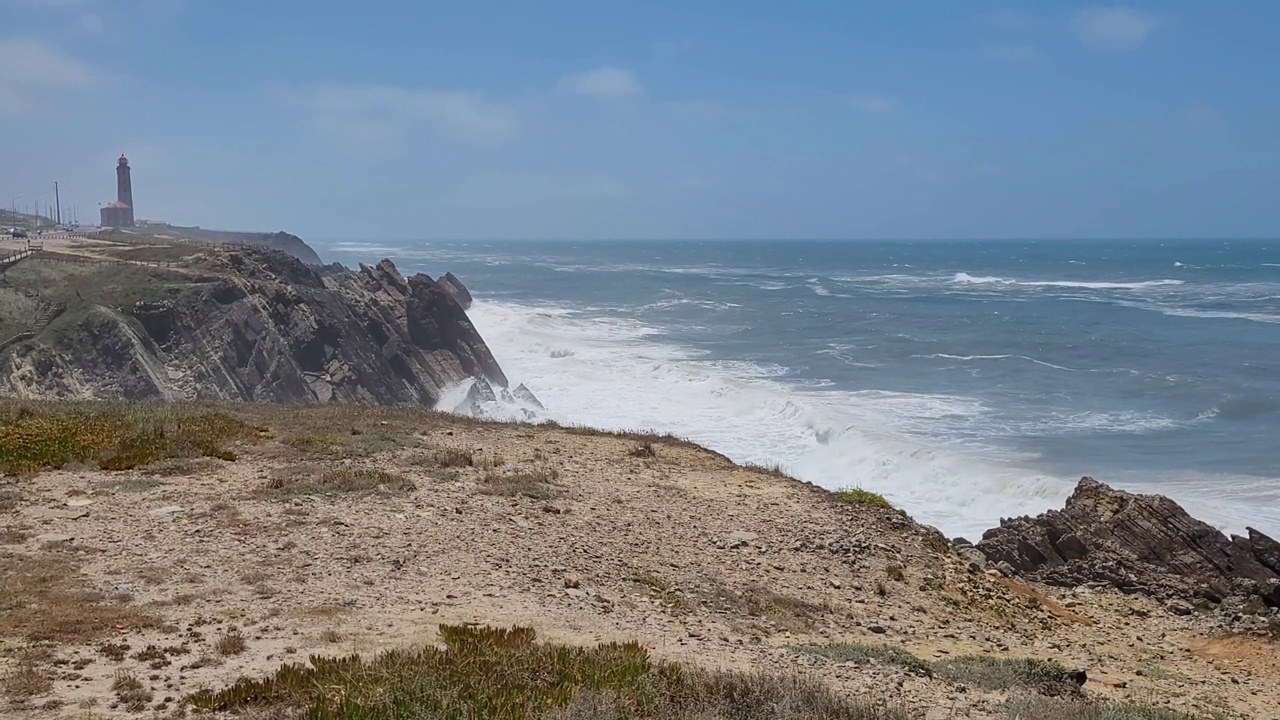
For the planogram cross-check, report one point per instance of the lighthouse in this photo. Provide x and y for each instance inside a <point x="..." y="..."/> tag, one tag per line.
<point x="120" y="212"/>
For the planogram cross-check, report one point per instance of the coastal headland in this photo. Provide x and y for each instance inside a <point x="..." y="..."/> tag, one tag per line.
<point x="219" y="459"/>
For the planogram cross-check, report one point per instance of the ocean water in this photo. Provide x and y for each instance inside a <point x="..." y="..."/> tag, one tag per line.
<point x="965" y="381"/>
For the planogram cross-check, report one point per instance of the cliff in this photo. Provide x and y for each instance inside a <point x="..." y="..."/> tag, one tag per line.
<point x="282" y="241"/>
<point x="236" y="323"/>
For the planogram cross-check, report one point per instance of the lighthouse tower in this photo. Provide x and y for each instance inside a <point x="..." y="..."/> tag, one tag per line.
<point x="120" y="212"/>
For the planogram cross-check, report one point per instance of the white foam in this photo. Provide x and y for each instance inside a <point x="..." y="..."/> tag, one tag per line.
<point x="609" y="373"/>
<point x="962" y="277"/>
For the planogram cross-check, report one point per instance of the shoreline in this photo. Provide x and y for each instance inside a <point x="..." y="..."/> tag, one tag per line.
<point x="1013" y="487"/>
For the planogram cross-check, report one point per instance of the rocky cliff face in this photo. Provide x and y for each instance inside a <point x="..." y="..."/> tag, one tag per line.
<point x="1137" y="543"/>
<point x="258" y="325"/>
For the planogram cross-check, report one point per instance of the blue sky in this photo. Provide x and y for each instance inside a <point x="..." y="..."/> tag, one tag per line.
<point x="657" y="119"/>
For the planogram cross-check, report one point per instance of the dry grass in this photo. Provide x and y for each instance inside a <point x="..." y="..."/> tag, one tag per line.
<point x="40" y="600"/>
<point x="863" y="654"/>
<point x="504" y="674"/>
<point x="895" y="572"/>
<point x="1044" y="677"/>
<point x="453" y="458"/>
<point x="643" y="450"/>
<point x="670" y="597"/>
<point x="26" y="680"/>
<point x="537" y="483"/>
<point x="230" y="643"/>
<point x="130" y="691"/>
<point x="322" y="480"/>
<point x="778" y="611"/>
<point x="1041" y="707"/>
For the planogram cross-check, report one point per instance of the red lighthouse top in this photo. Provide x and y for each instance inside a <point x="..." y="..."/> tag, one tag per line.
<point x="124" y="161"/>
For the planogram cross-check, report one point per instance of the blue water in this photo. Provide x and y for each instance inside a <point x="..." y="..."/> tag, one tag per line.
<point x="964" y="380"/>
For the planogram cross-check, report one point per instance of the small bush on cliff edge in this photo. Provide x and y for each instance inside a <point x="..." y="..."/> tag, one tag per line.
<point x="858" y="496"/>
<point x="112" y="438"/>
<point x="504" y="674"/>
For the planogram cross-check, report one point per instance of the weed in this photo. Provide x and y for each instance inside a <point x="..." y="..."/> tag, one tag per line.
<point x="453" y="457"/>
<point x="10" y="535"/>
<point x="536" y="483"/>
<point x="670" y="599"/>
<point x="130" y="691"/>
<point x="862" y="654"/>
<point x="1046" y="677"/>
<point x="643" y="450"/>
<point x="781" y="611"/>
<point x="858" y="496"/>
<point x="895" y="572"/>
<point x="1058" y="708"/>
<point x="317" y="480"/>
<point x="230" y="643"/>
<point x="504" y="674"/>
<point x="39" y="600"/>
<point x="25" y="680"/>
<point x="331" y="636"/>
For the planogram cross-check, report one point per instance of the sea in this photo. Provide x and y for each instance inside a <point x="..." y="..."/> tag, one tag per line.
<point x="965" y="381"/>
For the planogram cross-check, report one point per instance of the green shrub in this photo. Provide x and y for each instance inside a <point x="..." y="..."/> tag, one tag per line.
<point x="112" y="439"/>
<point x="858" y="496"/>
<point x="504" y="674"/>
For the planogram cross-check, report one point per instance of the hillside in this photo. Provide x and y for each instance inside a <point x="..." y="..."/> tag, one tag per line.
<point x="112" y="316"/>
<point x="186" y="546"/>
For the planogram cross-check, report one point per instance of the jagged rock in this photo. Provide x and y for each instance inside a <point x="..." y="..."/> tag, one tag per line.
<point x="1266" y="550"/>
<point x="456" y="290"/>
<point x="1135" y="543"/>
<point x="740" y="538"/>
<point x="525" y="395"/>
<point x="243" y="323"/>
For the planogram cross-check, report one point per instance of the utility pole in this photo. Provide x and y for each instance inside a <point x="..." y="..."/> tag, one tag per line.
<point x="57" y="199"/>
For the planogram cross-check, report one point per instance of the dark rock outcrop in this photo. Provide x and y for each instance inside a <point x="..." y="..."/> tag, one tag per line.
<point x="1137" y="543"/>
<point x="252" y="324"/>
<point x="454" y="287"/>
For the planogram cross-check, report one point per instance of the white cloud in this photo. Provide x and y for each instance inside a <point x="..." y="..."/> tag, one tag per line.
<point x="874" y="104"/>
<point x="1008" y="51"/>
<point x="1115" y="27"/>
<point x="377" y="113"/>
<point x="30" y="70"/>
<point x="609" y="82"/>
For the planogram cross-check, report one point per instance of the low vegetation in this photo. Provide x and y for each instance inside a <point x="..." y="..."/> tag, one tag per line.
<point x="40" y="600"/>
<point x="1041" y="707"/>
<point x="858" y="496"/>
<point x="112" y="437"/>
<point x="1045" y="677"/>
<point x="346" y="479"/>
<point x="505" y="674"/>
<point x="864" y="654"/>
<point x="536" y="483"/>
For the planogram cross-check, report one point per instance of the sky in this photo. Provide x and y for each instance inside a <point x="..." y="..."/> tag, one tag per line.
<point x="628" y="120"/>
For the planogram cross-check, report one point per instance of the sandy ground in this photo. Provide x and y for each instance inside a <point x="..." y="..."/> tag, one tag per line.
<point x="700" y="560"/>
